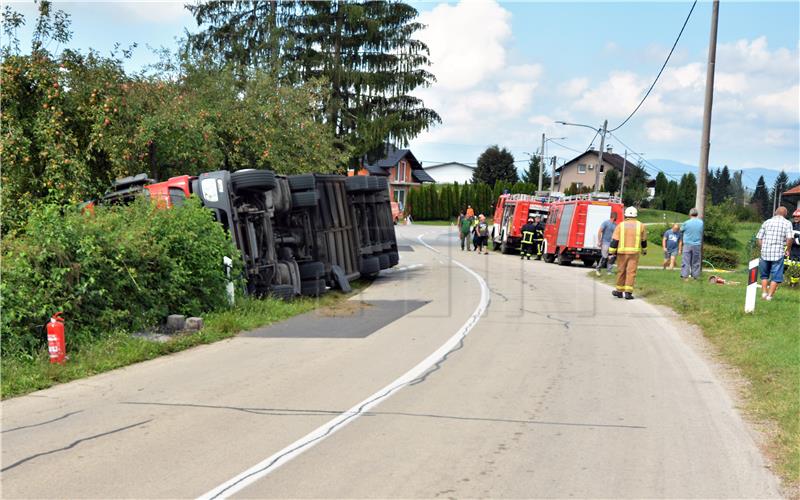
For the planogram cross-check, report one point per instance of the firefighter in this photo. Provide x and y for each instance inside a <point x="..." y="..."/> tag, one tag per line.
<point x="528" y="234"/>
<point x="538" y="237"/>
<point x="628" y="241"/>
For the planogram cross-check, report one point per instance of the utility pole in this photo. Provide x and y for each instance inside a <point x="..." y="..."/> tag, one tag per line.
<point x="600" y="157"/>
<point x="541" y="165"/>
<point x="622" y="182"/>
<point x="553" y="176"/>
<point x="705" y="144"/>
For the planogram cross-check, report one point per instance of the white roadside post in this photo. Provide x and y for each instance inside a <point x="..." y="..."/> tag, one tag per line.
<point x="752" y="287"/>
<point x="228" y="263"/>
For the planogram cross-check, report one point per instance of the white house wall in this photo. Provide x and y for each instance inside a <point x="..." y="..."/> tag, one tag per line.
<point x="446" y="174"/>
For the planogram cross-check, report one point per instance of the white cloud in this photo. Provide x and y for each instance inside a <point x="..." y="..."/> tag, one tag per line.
<point x="466" y="42"/>
<point x="618" y="96"/>
<point x="575" y="87"/>
<point x="155" y="11"/>
<point x="783" y="105"/>
<point x="663" y="130"/>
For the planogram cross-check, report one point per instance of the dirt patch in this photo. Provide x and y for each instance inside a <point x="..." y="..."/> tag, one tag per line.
<point x="344" y="308"/>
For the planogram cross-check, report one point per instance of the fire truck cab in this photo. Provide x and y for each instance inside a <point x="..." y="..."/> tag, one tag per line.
<point x="572" y="226"/>
<point x="511" y="213"/>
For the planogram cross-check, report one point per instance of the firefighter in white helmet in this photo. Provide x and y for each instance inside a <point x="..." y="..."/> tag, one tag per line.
<point x="628" y="241"/>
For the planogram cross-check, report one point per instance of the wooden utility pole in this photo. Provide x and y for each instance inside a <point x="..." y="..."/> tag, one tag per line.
<point x="705" y="144"/>
<point x="622" y="182"/>
<point x="541" y="166"/>
<point x="600" y="158"/>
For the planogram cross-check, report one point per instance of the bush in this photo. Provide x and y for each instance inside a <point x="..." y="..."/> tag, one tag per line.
<point x="655" y="232"/>
<point x="720" y="257"/>
<point x="719" y="223"/>
<point x="123" y="268"/>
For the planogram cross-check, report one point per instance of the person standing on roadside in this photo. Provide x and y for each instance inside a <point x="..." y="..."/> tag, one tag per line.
<point x="672" y="243"/>
<point x="538" y="236"/>
<point x="482" y="231"/>
<point x="464" y="226"/>
<point x="628" y="241"/>
<point x="470" y="211"/>
<point x="604" y="235"/>
<point x="526" y="247"/>
<point x="775" y="240"/>
<point x="692" y="231"/>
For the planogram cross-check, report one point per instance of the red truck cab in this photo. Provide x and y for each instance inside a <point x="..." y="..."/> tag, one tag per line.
<point x="572" y="226"/>
<point x="511" y="213"/>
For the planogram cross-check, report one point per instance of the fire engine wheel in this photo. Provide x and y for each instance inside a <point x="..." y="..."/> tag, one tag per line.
<point x="588" y="262"/>
<point x="312" y="270"/>
<point x="562" y="260"/>
<point x="370" y="266"/>
<point x="385" y="263"/>
<point x="304" y="182"/>
<point x="313" y="288"/>
<point x="305" y="199"/>
<point x="253" y="180"/>
<point x="504" y="248"/>
<point x="549" y="258"/>
<point x="394" y="258"/>
<point x="283" y="292"/>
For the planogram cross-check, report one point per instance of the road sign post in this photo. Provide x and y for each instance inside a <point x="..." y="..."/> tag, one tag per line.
<point x="752" y="287"/>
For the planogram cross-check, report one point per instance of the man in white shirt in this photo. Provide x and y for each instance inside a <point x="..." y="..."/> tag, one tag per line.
<point x="775" y="239"/>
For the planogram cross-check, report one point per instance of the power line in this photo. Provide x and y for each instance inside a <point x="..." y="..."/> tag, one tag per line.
<point x="591" y="143"/>
<point x="642" y="158"/>
<point x="567" y="147"/>
<point x="659" y="72"/>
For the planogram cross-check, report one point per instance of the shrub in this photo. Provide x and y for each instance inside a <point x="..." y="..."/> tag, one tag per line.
<point x="655" y="232"/>
<point x="720" y="257"/>
<point x="720" y="221"/>
<point x="122" y="268"/>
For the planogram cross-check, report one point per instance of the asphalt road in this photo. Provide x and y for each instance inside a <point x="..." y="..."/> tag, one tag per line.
<point x="550" y="388"/>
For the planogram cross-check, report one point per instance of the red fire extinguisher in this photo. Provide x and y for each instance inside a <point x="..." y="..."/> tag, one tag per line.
<point x="56" y="343"/>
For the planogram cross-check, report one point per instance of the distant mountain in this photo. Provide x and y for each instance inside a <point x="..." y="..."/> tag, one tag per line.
<point x="750" y="177"/>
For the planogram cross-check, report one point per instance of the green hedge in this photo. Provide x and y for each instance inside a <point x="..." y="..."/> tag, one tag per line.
<point x="720" y="257"/>
<point x="121" y="268"/>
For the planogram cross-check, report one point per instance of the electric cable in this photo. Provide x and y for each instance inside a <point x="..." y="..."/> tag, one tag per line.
<point x="660" y="71"/>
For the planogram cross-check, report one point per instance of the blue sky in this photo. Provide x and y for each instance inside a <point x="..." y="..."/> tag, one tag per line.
<point x="506" y="71"/>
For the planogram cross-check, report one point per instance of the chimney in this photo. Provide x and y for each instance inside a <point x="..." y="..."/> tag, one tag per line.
<point x="610" y="149"/>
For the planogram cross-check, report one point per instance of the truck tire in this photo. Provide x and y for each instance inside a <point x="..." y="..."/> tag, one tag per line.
<point x="282" y="197"/>
<point x="370" y="266"/>
<point x="304" y="182"/>
<point x="253" y="180"/>
<point x="504" y="247"/>
<point x="304" y="199"/>
<point x="549" y="258"/>
<point x="312" y="288"/>
<point x="312" y="270"/>
<point x="283" y="292"/>
<point x="384" y="261"/>
<point x="589" y="262"/>
<point x="561" y="260"/>
<point x="356" y="183"/>
<point x="394" y="259"/>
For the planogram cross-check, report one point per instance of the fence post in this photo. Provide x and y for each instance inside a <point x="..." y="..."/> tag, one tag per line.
<point x="752" y="287"/>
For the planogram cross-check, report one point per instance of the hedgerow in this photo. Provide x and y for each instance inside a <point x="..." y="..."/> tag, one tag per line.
<point x="119" y="268"/>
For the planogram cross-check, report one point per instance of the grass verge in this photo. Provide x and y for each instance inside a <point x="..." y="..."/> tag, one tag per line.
<point x="118" y="349"/>
<point x="433" y="222"/>
<point x="648" y="215"/>
<point x="764" y="346"/>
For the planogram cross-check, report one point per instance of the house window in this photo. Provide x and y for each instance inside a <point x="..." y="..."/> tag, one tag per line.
<point x="400" y="198"/>
<point x="581" y="168"/>
<point x="400" y="172"/>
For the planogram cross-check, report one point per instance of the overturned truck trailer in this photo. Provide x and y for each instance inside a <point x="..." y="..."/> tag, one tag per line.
<point x="299" y="234"/>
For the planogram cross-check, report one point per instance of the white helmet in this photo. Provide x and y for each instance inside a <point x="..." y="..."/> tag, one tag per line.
<point x="631" y="212"/>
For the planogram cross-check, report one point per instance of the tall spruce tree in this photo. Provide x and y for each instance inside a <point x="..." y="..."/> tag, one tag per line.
<point x="779" y="186"/>
<point x="364" y="51"/>
<point x="531" y="174"/>
<point x="494" y="165"/>
<point x="612" y="180"/>
<point x="661" y="187"/>
<point x="737" y="189"/>
<point x="687" y="192"/>
<point x="760" y="200"/>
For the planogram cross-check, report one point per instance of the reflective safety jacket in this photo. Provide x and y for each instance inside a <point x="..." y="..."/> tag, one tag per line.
<point x="630" y="237"/>
<point x="528" y="233"/>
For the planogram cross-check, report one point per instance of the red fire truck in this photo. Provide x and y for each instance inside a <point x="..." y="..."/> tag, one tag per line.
<point x="572" y="225"/>
<point x="510" y="215"/>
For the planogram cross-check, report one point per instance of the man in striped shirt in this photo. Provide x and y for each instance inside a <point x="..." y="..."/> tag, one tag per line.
<point x="775" y="239"/>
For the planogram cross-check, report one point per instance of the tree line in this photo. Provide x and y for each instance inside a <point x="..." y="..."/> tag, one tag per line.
<point x="291" y="86"/>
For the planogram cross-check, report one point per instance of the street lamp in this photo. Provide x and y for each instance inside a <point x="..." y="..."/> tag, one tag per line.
<point x="602" y="133"/>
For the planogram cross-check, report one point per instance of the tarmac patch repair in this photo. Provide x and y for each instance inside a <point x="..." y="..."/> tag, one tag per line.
<point x="352" y="319"/>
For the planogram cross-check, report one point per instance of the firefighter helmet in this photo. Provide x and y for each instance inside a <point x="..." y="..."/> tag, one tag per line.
<point x="631" y="212"/>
